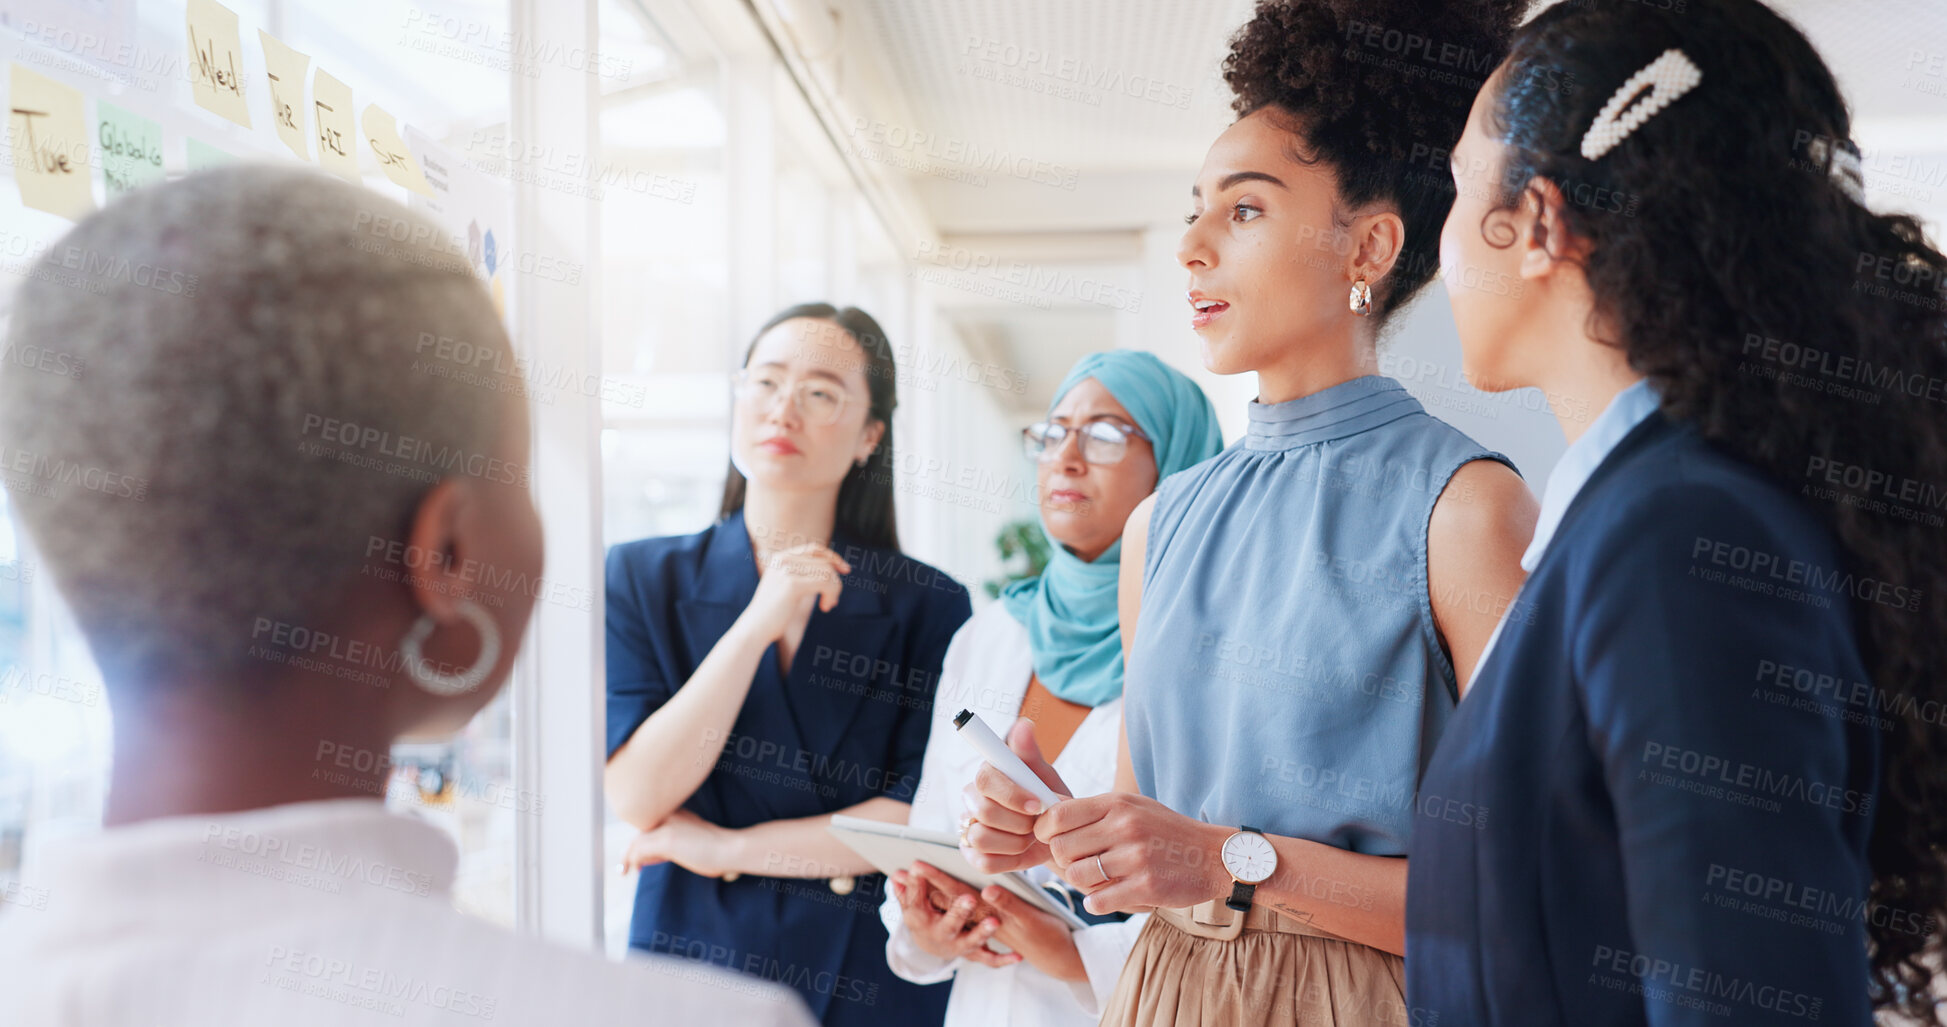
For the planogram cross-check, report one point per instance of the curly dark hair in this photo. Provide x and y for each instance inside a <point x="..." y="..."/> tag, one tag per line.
<point x="1378" y="90"/>
<point x="1792" y="326"/>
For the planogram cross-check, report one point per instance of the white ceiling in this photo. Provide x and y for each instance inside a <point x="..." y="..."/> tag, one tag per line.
<point x="1050" y="79"/>
<point x="943" y="98"/>
<point x="1868" y="44"/>
<point x="1099" y="85"/>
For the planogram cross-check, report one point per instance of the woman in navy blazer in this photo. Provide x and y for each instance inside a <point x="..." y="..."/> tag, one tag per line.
<point x="1699" y="777"/>
<point x="745" y="708"/>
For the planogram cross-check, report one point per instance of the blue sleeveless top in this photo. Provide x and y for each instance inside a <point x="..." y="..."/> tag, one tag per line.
<point x="1286" y="672"/>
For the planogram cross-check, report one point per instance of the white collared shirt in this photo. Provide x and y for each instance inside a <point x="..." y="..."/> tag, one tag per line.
<point x="1578" y="463"/>
<point x="986" y="670"/>
<point x="316" y="913"/>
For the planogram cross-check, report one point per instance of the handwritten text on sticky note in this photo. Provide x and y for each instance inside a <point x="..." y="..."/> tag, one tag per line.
<point x="331" y="103"/>
<point x="216" y="60"/>
<point x="383" y="133"/>
<point x="285" y="68"/>
<point x="50" y="134"/>
<point x="131" y="148"/>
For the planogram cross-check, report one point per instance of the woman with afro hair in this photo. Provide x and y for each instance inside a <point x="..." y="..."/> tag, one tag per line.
<point x="1300" y="613"/>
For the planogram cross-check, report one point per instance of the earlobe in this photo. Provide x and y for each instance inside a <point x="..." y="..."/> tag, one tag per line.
<point x="435" y="535"/>
<point x="1545" y="238"/>
<point x="874" y="434"/>
<point x="1536" y="261"/>
<point x="1379" y="247"/>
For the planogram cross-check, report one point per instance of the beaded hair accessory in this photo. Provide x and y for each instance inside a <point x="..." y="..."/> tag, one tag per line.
<point x="1667" y="77"/>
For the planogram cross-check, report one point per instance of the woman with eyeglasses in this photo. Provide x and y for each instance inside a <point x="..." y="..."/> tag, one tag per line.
<point x="775" y="669"/>
<point x="1049" y="653"/>
<point x="1303" y="612"/>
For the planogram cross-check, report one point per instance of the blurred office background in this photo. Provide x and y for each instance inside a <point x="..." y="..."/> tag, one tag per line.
<point x="1000" y="182"/>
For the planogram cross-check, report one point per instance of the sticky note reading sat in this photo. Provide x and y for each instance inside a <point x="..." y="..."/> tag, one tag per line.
<point x="383" y="134"/>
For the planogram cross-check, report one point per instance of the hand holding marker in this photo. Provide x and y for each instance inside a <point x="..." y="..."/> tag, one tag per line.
<point x="1003" y="759"/>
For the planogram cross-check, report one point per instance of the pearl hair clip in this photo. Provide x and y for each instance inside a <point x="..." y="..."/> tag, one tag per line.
<point x="1669" y="77"/>
<point x="1842" y="165"/>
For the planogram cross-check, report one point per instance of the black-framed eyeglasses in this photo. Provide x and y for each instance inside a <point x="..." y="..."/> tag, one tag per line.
<point x="1102" y="442"/>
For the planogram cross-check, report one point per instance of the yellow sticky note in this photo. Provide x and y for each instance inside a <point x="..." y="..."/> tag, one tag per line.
<point x="285" y="68"/>
<point x="50" y="151"/>
<point x="331" y="102"/>
<point x="397" y="163"/>
<point x="216" y="60"/>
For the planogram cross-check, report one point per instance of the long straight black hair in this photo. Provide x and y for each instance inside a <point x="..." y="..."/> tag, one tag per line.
<point x="865" y="509"/>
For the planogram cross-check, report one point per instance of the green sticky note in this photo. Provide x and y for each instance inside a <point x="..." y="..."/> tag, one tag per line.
<point x="131" y="149"/>
<point x="203" y="155"/>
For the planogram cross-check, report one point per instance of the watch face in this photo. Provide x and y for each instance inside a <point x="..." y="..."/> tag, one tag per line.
<point x="1249" y="857"/>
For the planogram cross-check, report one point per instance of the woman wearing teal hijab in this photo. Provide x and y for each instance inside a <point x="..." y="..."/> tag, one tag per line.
<point x="1050" y="652"/>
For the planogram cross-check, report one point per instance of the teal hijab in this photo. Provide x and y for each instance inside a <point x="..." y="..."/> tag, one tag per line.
<point x="1070" y="610"/>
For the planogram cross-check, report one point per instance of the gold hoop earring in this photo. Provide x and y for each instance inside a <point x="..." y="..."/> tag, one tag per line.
<point x="1361" y="300"/>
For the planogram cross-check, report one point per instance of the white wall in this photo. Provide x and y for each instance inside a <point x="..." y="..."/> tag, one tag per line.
<point x="1423" y="352"/>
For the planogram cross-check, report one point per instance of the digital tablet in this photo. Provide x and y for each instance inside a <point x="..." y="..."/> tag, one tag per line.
<point x="893" y="847"/>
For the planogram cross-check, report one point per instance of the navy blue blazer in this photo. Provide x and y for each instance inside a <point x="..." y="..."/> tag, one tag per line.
<point x="849" y="723"/>
<point x="1647" y="810"/>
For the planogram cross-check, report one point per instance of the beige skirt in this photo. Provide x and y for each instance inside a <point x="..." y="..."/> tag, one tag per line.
<point x="1186" y="971"/>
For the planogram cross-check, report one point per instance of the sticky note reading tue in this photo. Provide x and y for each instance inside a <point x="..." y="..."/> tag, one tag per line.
<point x="216" y="60"/>
<point x="285" y="68"/>
<point x="383" y="133"/>
<point x="331" y="101"/>
<point x="50" y="137"/>
<point x="131" y="149"/>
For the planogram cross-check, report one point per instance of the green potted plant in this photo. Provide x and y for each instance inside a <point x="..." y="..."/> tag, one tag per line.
<point x="1023" y="540"/>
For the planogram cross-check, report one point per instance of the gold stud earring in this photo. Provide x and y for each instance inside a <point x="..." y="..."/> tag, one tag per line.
<point x="1361" y="300"/>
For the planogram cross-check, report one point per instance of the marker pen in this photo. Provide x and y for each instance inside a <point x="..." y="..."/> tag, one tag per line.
<point x="988" y="744"/>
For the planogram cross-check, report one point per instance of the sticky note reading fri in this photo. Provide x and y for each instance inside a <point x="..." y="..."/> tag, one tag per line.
<point x="383" y="133"/>
<point x="131" y="148"/>
<point x="285" y="68"/>
<point x="216" y="60"/>
<point x="331" y="103"/>
<point x="50" y="136"/>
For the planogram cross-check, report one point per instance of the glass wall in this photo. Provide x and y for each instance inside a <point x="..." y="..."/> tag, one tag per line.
<point x="432" y="65"/>
<point x="721" y="199"/>
<point x="767" y="215"/>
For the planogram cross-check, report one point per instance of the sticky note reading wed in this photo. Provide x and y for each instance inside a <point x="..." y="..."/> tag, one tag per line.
<point x="331" y="103"/>
<point x="286" y="67"/>
<point x="50" y="136"/>
<point x="397" y="163"/>
<point x="131" y="149"/>
<point x="216" y="60"/>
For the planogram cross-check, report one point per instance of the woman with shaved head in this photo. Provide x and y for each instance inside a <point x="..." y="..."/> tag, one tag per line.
<point x="294" y="529"/>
